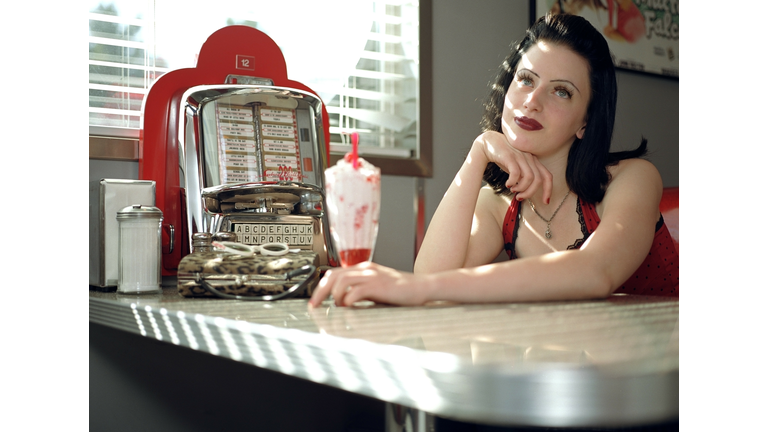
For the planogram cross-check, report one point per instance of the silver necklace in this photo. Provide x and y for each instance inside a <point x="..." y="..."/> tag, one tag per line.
<point x="548" y="232"/>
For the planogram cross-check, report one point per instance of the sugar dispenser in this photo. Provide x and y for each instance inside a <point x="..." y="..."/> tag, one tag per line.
<point x="139" y="249"/>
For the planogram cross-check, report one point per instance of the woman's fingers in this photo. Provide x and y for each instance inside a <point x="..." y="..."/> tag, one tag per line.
<point x="527" y="175"/>
<point x="346" y="280"/>
<point x="339" y="281"/>
<point x="521" y="175"/>
<point x="541" y="180"/>
<point x="529" y="179"/>
<point x="322" y="291"/>
<point x="367" y="281"/>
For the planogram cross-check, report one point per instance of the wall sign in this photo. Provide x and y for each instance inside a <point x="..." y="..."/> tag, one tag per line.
<point x="643" y="35"/>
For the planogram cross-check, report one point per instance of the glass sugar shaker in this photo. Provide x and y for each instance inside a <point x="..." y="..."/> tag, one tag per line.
<point x="139" y="249"/>
<point x="201" y="242"/>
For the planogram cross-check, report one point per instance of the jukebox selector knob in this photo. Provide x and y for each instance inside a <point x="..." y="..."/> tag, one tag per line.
<point x="311" y="203"/>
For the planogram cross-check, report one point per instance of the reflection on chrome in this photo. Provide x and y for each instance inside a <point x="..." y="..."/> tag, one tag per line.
<point x="188" y="331"/>
<point x="415" y="382"/>
<point x="213" y="348"/>
<point x="342" y="370"/>
<point x="138" y="319"/>
<point x="283" y="360"/>
<point x="257" y="355"/>
<point x="484" y="351"/>
<point x="229" y="341"/>
<point x="153" y="323"/>
<point x="380" y="380"/>
<point x="169" y="326"/>
<point x="312" y="366"/>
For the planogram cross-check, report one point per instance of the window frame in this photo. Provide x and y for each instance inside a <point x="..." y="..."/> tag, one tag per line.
<point x="122" y="144"/>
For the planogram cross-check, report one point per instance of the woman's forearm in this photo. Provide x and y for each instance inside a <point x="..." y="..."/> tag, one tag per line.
<point x="447" y="239"/>
<point x="568" y="275"/>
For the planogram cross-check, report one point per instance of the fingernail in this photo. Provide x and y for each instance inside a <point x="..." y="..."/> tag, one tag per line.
<point x="547" y="200"/>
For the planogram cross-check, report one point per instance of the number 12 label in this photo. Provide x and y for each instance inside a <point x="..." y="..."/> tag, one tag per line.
<point x="245" y="62"/>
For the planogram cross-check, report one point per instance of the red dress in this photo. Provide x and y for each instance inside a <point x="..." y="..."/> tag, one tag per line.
<point x="657" y="275"/>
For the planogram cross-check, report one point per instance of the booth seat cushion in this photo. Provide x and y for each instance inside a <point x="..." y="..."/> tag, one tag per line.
<point x="670" y="210"/>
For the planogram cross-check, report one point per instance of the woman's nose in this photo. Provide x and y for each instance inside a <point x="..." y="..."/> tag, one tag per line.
<point x="533" y="101"/>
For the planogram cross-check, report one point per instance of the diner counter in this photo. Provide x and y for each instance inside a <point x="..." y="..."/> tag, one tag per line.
<point x="603" y="363"/>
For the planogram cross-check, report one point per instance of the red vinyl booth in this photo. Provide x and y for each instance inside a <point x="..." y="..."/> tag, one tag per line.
<point x="670" y="210"/>
<point x="233" y="50"/>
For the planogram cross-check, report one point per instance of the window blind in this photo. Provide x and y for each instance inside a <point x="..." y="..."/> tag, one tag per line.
<point x="122" y="64"/>
<point x="378" y="99"/>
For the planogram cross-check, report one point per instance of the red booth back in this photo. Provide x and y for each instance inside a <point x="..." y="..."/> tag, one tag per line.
<point x="670" y="210"/>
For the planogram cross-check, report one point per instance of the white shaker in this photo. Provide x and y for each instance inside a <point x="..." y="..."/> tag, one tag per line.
<point x="139" y="248"/>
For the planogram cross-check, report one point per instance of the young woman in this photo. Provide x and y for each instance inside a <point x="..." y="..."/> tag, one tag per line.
<point x="577" y="221"/>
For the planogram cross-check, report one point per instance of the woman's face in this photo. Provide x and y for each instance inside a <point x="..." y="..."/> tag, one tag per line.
<point x="546" y="105"/>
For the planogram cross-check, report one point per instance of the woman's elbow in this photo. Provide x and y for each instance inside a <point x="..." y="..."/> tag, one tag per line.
<point x="423" y="265"/>
<point x="603" y="285"/>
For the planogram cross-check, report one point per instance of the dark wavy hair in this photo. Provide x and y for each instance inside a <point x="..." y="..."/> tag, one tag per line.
<point x="588" y="160"/>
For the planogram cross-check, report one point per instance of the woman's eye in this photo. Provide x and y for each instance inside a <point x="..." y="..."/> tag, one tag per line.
<point x="563" y="93"/>
<point x="525" y="80"/>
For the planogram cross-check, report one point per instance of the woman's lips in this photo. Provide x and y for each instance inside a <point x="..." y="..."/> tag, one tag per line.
<point x="528" y="124"/>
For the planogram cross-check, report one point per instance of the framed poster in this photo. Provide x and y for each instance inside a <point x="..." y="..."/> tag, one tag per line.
<point x="643" y="35"/>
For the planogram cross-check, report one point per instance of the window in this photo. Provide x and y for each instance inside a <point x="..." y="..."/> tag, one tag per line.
<point x="362" y="58"/>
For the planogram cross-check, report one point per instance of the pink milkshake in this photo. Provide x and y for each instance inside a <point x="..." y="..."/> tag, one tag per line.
<point x="353" y="196"/>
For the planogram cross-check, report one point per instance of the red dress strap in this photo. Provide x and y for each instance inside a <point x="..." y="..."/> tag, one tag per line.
<point x="657" y="275"/>
<point x="509" y="230"/>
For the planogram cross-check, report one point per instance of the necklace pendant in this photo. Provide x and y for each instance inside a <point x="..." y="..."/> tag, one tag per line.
<point x="548" y="233"/>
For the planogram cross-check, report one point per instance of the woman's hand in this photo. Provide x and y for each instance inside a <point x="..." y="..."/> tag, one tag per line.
<point x="526" y="174"/>
<point x="369" y="281"/>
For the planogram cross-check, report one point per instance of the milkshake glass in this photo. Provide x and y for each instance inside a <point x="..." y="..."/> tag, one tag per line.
<point x="353" y="196"/>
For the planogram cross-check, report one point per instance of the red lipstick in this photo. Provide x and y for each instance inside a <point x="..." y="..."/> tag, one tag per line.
<point x="528" y="124"/>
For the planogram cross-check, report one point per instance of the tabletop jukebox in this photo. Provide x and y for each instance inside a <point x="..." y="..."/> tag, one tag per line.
<point x="236" y="146"/>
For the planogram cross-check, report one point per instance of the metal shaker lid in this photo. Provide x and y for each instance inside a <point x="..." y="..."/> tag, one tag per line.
<point x="138" y="211"/>
<point x="201" y="239"/>
<point x="225" y="236"/>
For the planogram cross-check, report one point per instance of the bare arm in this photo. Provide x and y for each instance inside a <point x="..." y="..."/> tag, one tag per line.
<point x="447" y="240"/>
<point x="465" y="230"/>
<point x="612" y="253"/>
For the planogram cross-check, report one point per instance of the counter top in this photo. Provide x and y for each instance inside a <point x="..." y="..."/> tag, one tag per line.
<point x="612" y="362"/>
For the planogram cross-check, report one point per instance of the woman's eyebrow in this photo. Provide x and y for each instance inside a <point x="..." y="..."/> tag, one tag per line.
<point x="526" y="69"/>
<point x="558" y="80"/>
<point x="566" y="81"/>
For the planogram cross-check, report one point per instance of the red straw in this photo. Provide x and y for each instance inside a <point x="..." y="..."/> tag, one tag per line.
<point x="355" y="138"/>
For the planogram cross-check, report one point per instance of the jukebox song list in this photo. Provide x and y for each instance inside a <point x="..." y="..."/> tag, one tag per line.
<point x="257" y="143"/>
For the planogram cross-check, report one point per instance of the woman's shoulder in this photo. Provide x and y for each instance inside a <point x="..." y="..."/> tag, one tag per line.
<point x="494" y="203"/>
<point x="492" y="199"/>
<point x="634" y="170"/>
<point x="633" y="181"/>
